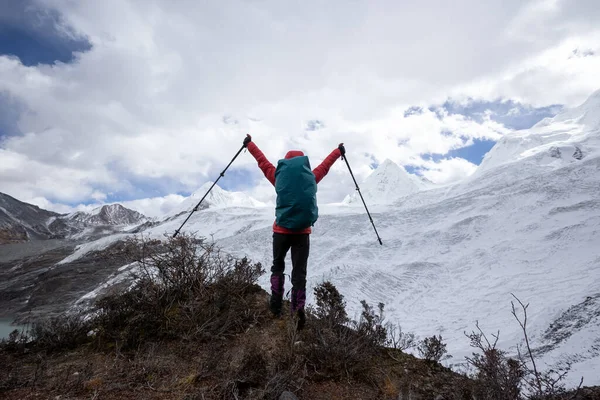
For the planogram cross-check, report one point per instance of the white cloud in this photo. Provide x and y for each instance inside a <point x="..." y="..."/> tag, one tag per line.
<point x="156" y="206"/>
<point x="45" y="204"/>
<point x="448" y="170"/>
<point x="150" y="207"/>
<point x="146" y="104"/>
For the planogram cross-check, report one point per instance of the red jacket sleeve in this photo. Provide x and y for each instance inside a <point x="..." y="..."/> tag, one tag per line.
<point x="323" y="168"/>
<point x="265" y="165"/>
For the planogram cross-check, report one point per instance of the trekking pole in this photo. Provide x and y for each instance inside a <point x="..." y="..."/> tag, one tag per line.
<point x="363" y="200"/>
<point x="213" y="185"/>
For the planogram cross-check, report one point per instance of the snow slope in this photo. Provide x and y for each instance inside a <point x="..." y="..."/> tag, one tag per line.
<point x="386" y="184"/>
<point x="527" y="222"/>
<point x="553" y="142"/>
<point x="217" y="198"/>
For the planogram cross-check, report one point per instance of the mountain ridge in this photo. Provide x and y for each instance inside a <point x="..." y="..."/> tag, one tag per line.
<point x="20" y="221"/>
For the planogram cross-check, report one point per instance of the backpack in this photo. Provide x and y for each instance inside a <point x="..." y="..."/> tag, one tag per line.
<point x="296" y="188"/>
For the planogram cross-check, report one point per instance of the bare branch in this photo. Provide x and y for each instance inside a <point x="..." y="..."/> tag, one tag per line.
<point x="523" y="325"/>
<point x="577" y="390"/>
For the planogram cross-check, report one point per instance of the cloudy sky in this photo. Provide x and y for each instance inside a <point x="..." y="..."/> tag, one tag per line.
<point x="143" y="101"/>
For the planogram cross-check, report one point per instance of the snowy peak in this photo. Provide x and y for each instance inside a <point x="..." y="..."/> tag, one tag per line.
<point x="569" y="137"/>
<point x="219" y="197"/>
<point x="110" y="215"/>
<point x="216" y="198"/>
<point x="22" y="222"/>
<point x="587" y="114"/>
<point x="115" y="214"/>
<point x="99" y="222"/>
<point x="386" y="184"/>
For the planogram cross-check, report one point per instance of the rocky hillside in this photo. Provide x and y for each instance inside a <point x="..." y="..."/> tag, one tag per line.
<point x="21" y="221"/>
<point x="99" y="222"/>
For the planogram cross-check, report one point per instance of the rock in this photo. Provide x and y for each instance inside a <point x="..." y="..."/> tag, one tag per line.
<point x="555" y="152"/>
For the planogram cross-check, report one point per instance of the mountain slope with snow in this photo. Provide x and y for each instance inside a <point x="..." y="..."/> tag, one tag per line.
<point x="553" y="142"/>
<point x="216" y="198"/>
<point x="526" y="223"/>
<point x="114" y="214"/>
<point x="386" y="184"/>
<point x="454" y="259"/>
<point x="101" y="221"/>
<point x="20" y="222"/>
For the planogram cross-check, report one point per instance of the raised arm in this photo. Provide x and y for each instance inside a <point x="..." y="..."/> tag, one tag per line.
<point x="322" y="169"/>
<point x="265" y="165"/>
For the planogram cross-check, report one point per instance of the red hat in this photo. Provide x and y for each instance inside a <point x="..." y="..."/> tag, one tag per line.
<point x="293" y="153"/>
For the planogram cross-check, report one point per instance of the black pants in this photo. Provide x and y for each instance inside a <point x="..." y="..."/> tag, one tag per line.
<point x="300" y="245"/>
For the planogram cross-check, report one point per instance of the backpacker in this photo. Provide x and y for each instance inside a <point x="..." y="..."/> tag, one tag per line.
<point x="296" y="189"/>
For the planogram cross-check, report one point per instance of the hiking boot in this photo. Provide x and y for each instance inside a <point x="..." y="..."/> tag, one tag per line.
<point x="277" y="282"/>
<point x="298" y="300"/>
<point x="297" y="308"/>
<point x="275" y="304"/>
<point x="301" y="319"/>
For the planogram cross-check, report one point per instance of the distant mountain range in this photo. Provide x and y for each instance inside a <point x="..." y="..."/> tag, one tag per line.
<point x="20" y="222"/>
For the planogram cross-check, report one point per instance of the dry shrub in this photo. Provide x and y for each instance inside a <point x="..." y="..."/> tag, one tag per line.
<point x="62" y="332"/>
<point x="500" y="377"/>
<point x="184" y="288"/>
<point x="400" y="340"/>
<point x="433" y="348"/>
<point x="540" y="384"/>
<point x="331" y="307"/>
<point x="66" y="331"/>
<point x="333" y="346"/>
<point x="497" y="376"/>
<point x="17" y="341"/>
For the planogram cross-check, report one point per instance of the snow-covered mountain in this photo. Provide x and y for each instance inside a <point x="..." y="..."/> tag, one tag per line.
<point x="386" y="184"/>
<point x="21" y="222"/>
<point x="553" y="142"/>
<point x="114" y="214"/>
<point x="101" y="221"/>
<point x="527" y="222"/>
<point x="217" y="198"/>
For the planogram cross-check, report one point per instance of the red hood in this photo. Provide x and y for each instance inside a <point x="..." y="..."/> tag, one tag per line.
<point x="293" y="153"/>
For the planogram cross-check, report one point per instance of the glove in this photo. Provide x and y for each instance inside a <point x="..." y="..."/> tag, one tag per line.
<point x="342" y="149"/>
<point x="247" y="140"/>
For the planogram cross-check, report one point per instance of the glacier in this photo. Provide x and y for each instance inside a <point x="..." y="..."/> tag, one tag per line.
<point x="527" y="223"/>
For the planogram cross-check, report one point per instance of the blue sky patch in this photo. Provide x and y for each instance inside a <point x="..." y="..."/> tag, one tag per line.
<point x="140" y="188"/>
<point x="9" y="116"/>
<point x="413" y="111"/>
<point x="36" y="36"/>
<point x="511" y="114"/>
<point x="237" y="179"/>
<point x="411" y="169"/>
<point x="473" y="153"/>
